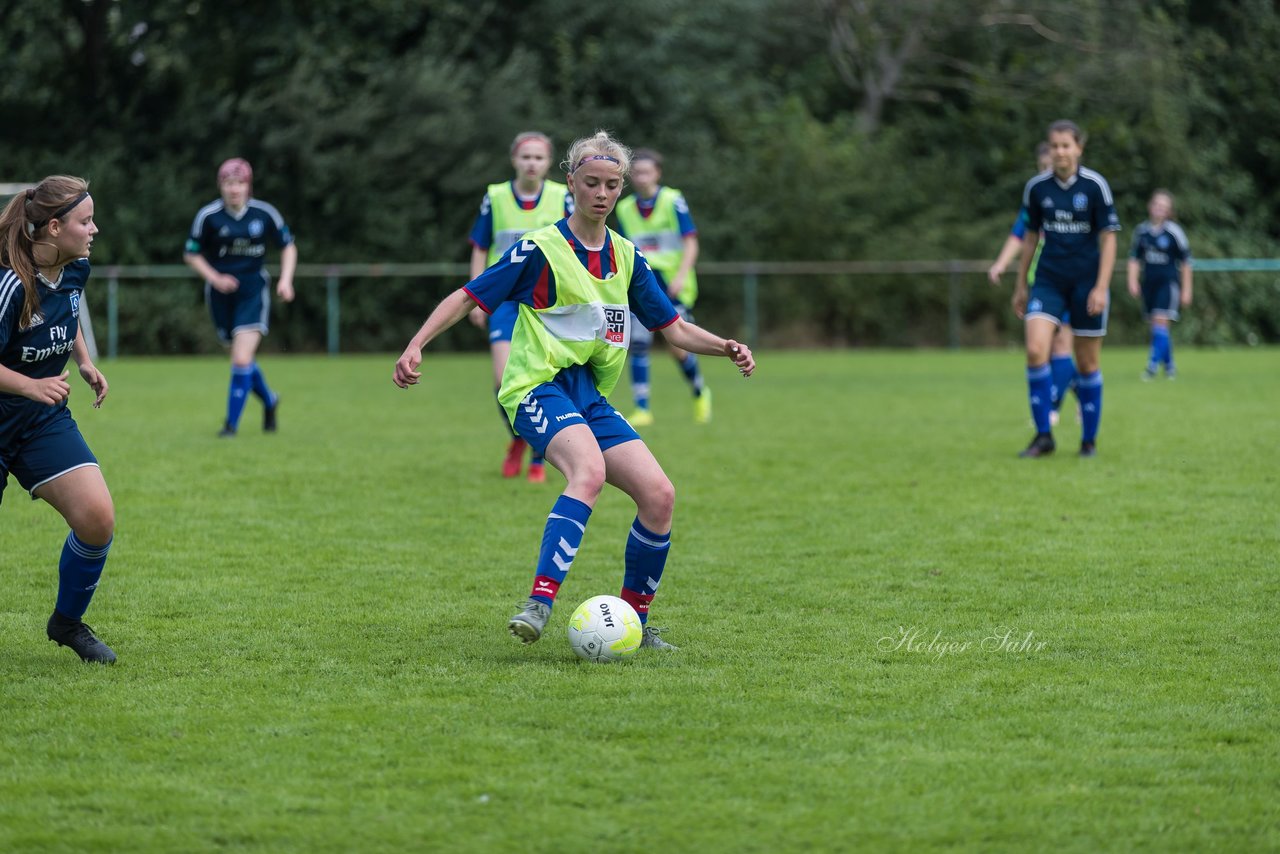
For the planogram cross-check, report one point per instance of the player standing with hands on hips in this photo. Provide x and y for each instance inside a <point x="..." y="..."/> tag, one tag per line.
<point x="227" y="247"/>
<point x="46" y="234"/>
<point x="577" y="283"/>
<point x="1073" y="208"/>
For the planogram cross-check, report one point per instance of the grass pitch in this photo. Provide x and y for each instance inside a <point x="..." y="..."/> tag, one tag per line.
<point x="895" y="635"/>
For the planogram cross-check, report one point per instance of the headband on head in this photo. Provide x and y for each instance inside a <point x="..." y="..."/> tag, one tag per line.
<point x="33" y="227"/>
<point x="236" y="167"/>
<point x="595" y="157"/>
<point x="530" y="136"/>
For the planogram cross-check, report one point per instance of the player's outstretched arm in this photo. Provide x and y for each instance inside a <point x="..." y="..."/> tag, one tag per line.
<point x="695" y="339"/>
<point x="1008" y="252"/>
<point x="451" y="309"/>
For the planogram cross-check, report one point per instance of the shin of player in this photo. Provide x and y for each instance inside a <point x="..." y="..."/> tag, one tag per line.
<point x="46" y="234"/>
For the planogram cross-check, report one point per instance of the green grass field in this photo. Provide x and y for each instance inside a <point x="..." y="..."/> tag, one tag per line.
<point x="313" y="655"/>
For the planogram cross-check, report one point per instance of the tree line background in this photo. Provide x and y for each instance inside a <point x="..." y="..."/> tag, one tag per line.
<point x="798" y="130"/>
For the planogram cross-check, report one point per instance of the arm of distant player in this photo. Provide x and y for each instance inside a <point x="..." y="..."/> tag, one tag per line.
<point x="688" y="258"/>
<point x="479" y="260"/>
<point x="1186" y="283"/>
<point x="89" y="371"/>
<point x="1031" y="238"/>
<point x="1134" y="268"/>
<point x="451" y="309"/>
<point x="695" y="339"/>
<point x="1007" y="253"/>
<point x="288" y="264"/>
<point x="1106" y="265"/>
<point x="223" y="283"/>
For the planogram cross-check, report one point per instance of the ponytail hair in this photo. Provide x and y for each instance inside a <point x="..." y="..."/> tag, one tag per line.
<point x="23" y="220"/>
<point x="599" y="146"/>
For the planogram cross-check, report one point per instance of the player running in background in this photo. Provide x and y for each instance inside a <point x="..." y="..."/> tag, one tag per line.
<point x="510" y="210"/>
<point x="1060" y="361"/>
<point x="227" y="247"/>
<point x="1073" y="209"/>
<point x="657" y="220"/>
<point x="577" y="284"/>
<point x="1162" y="255"/>
<point x="45" y="237"/>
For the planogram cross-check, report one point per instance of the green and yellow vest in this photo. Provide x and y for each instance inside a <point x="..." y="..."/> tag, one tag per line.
<point x="659" y="238"/>
<point x="511" y="222"/>
<point x="588" y="324"/>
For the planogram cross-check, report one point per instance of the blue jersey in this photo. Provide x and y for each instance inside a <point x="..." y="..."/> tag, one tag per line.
<point x="1162" y="250"/>
<point x="42" y="349"/>
<point x="482" y="230"/>
<point x="524" y="276"/>
<point x="237" y="244"/>
<point x="1070" y="215"/>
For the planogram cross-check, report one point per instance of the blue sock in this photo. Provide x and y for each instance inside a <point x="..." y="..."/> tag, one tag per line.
<point x="238" y="394"/>
<point x="646" y="555"/>
<point x="689" y="364"/>
<point x="640" y="379"/>
<point x="566" y="524"/>
<point x="1064" y="374"/>
<point x="260" y="387"/>
<point x="78" y="574"/>
<point x="1040" y="392"/>
<point x="1161" y="346"/>
<point x="1089" y="390"/>
<point x="535" y="458"/>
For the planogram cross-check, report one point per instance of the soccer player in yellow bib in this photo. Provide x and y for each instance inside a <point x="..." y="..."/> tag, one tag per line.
<point x="578" y="285"/>
<point x="509" y="211"/>
<point x="657" y="220"/>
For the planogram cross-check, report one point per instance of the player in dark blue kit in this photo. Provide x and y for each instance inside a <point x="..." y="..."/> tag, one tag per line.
<point x="577" y="284"/>
<point x="1162" y="255"/>
<point x="1072" y="208"/>
<point x="227" y="247"/>
<point x="45" y="236"/>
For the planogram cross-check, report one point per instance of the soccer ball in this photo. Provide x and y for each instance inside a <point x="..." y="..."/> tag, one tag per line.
<point x="605" y="628"/>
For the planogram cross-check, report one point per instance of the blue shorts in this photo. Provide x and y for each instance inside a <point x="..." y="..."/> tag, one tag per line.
<point x="1161" y="300"/>
<point x="1067" y="303"/>
<point x="571" y="398"/>
<point x="51" y="447"/>
<point x="246" y="310"/>
<point x="503" y="321"/>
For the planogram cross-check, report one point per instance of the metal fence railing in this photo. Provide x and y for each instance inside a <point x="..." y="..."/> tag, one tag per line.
<point x="749" y="273"/>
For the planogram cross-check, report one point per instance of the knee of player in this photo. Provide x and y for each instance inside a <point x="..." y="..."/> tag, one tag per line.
<point x="590" y="477"/>
<point x="660" y="499"/>
<point x="96" y="524"/>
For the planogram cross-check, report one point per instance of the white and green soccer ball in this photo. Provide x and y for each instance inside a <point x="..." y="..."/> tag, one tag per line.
<point x="605" y="628"/>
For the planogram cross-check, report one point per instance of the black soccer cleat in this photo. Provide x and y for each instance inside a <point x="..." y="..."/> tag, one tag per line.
<point x="269" y="416"/>
<point x="1041" y="446"/>
<point x="65" y="631"/>
<point x="1088" y="449"/>
<point x="227" y="431"/>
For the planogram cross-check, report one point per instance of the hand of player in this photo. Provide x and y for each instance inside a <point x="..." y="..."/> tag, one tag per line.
<point x="284" y="289"/>
<point x="96" y="381"/>
<point x="50" y="390"/>
<point x="407" y="372"/>
<point x="740" y="355"/>
<point x="478" y="318"/>
<point x="676" y="286"/>
<point x="1185" y="299"/>
<point x="225" y="284"/>
<point x="1097" y="301"/>
<point x="1133" y="290"/>
<point x="994" y="274"/>
<point x="1019" y="302"/>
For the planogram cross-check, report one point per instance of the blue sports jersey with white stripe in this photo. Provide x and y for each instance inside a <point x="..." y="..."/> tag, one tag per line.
<point x="1069" y="215"/>
<point x="1162" y="250"/>
<point x="236" y="244"/>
